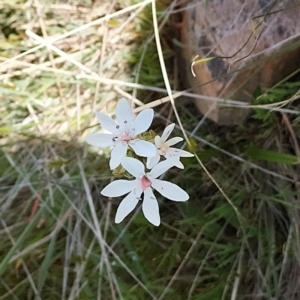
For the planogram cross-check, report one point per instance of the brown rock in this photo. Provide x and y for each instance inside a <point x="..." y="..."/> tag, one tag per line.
<point x="254" y="43"/>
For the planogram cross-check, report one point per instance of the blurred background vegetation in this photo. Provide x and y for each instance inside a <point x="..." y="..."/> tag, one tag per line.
<point x="207" y="248"/>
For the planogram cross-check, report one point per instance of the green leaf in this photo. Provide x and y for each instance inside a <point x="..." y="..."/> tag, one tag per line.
<point x="44" y="270"/>
<point x="208" y="153"/>
<point x="5" y="130"/>
<point x="261" y="154"/>
<point x="192" y="145"/>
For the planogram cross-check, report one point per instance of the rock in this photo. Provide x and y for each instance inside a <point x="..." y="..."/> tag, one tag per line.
<point x="254" y="43"/>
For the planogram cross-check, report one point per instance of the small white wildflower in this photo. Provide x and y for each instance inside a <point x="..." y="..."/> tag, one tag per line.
<point x="123" y="133"/>
<point x="163" y="148"/>
<point x="143" y="183"/>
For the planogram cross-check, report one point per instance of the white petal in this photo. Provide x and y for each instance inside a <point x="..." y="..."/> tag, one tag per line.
<point x="150" y="207"/>
<point x="143" y="148"/>
<point x="169" y="190"/>
<point x="123" y="113"/>
<point x="101" y="140"/>
<point x="174" y="141"/>
<point x="179" y="165"/>
<point x="119" y="188"/>
<point x="127" y="205"/>
<point x="117" y="154"/>
<point x="152" y="161"/>
<point x="157" y="141"/>
<point x="143" y="121"/>
<point x="176" y="161"/>
<point x="178" y="152"/>
<point x="133" y="166"/>
<point x="107" y="122"/>
<point x="167" y="132"/>
<point x="162" y="167"/>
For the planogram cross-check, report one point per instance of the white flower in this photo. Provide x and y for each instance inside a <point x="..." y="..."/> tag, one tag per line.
<point x="123" y="133"/>
<point x="163" y="148"/>
<point x="143" y="183"/>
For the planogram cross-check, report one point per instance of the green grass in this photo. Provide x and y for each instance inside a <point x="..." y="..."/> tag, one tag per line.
<point x="58" y="236"/>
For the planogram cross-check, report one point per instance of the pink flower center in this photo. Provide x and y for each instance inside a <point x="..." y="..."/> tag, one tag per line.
<point x="125" y="137"/>
<point x="145" y="182"/>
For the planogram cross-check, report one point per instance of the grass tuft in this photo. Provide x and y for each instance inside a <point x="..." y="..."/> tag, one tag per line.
<point x="237" y="239"/>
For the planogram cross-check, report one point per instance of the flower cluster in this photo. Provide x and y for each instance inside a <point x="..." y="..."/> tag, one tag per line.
<point x="125" y="133"/>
